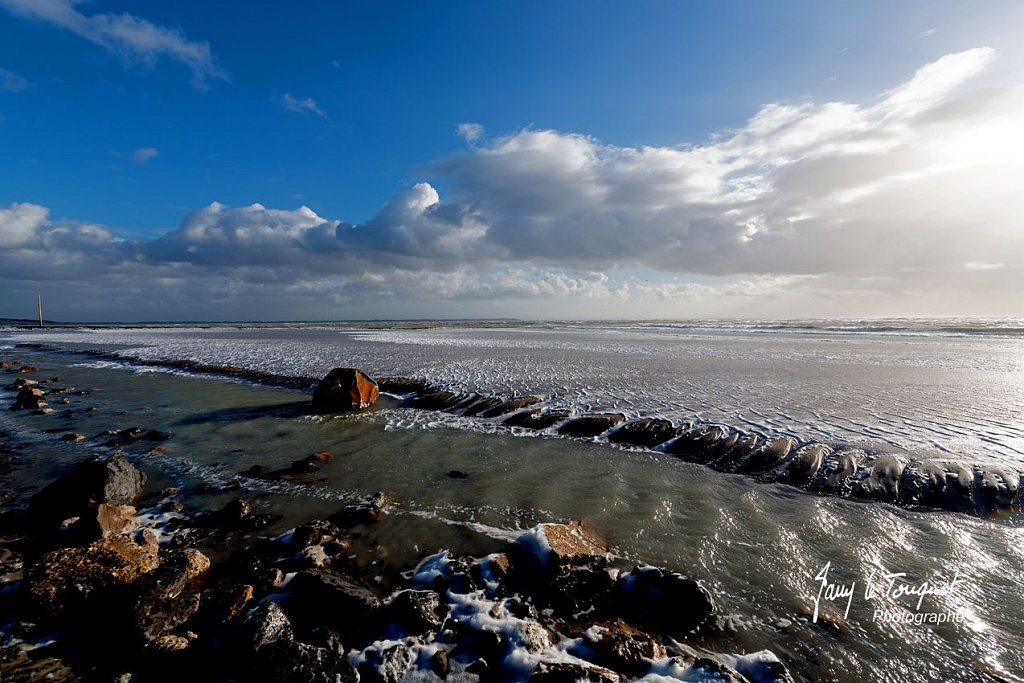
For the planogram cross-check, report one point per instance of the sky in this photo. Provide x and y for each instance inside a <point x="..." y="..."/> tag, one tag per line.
<point x="334" y="161"/>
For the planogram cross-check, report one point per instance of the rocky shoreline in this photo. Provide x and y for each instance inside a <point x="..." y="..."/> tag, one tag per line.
<point x="104" y="579"/>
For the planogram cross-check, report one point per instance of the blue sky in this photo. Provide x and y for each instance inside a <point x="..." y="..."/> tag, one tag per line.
<point x="121" y="120"/>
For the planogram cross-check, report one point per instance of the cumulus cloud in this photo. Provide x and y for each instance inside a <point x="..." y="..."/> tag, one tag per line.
<point x="910" y="200"/>
<point x="301" y="105"/>
<point x="12" y="82"/>
<point x="132" y="37"/>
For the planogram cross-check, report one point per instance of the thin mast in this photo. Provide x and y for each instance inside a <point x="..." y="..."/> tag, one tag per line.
<point x="39" y="302"/>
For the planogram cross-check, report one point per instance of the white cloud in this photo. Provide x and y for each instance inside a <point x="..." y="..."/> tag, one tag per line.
<point x="927" y="33"/>
<point x="470" y="132"/>
<point x="130" y="36"/>
<point x="300" y="105"/>
<point x="12" y="82"/>
<point x="141" y="155"/>
<point x="908" y="204"/>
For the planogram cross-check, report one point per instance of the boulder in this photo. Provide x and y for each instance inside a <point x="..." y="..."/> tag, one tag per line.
<point x="69" y="577"/>
<point x="803" y="466"/>
<point x="586" y="426"/>
<point x="414" y="612"/>
<point x="655" y="598"/>
<point x="621" y="647"/>
<point x="769" y="456"/>
<point x="995" y="486"/>
<point x="436" y="400"/>
<point x="558" y="546"/>
<point x="113" y="481"/>
<point x="345" y="390"/>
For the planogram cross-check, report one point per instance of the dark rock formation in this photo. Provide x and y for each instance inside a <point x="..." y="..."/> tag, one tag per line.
<point x="586" y="426"/>
<point x="647" y="432"/>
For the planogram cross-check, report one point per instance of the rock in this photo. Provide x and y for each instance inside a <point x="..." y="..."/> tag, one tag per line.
<point x="344" y="390"/>
<point x="402" y="386"/>
<point x="26" y="369"/>
<point x="837" y="473"/>
<point x="664" y="601"/>
<point x="322" y="597"/>
<point x="264" y="625"/>
<point x="586" y="426"/>
<point x="313" y="533"/>
<point x="623" y="648"/>
<point x="414" y="612"/>
<point x="386" y="665"/>
<point x="16" y="666"/>
<point x="73" y="437"/>
<point x="12" y="566"/>
<point x="937" y="483"/>
<point x="170" y="643"/>
<point x="156" y="435"/>
<point x="572" y="672"/>
<point x="457" y="474"/>
<point x="995" y="487"/>
<point x="510" y="406"/>
<point x="769" y="456"/>
<point x="320" y="456"/>
<point x="803" y="466"/>
<point x="69" y="577"/>
<point x="558" y="546"/>
<point x="696" y="444"/>
<point x="194" y="563"/>
<point x="105" y="521"/>
<point x="366" y="511"/>
<point x="289" y="661"/>
<point x="647" y="432"/>
<point x="164" y="600"/>
<point x="537" y="419"/>
<point x="475" y="405"/>
<point x="436" y="400"/>
<point x="881" y="479"/>
<point x="113" y="481"/>
<point x="439" y="663"/>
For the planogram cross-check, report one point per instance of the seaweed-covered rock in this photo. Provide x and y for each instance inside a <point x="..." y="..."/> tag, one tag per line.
<point x="647" y="432"/>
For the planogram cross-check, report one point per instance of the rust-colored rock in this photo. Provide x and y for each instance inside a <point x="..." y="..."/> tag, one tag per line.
<point x="345" y="390"/>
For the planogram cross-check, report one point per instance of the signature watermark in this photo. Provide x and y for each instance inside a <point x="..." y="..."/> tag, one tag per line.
<point x="893" y="587"/>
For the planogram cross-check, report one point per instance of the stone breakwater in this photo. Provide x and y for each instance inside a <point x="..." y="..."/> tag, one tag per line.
<point x="819" y="468"/>
<point x="814" y="467"/>
<point x="94" y="588"/>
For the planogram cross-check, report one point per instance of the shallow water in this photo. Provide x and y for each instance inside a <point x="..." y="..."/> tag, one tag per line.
<point x="758" y="547"/>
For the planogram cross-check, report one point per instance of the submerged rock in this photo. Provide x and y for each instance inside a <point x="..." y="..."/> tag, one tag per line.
<point x="937" y="483"/>
<point x="801" y="469"/>
<point x="510" y="406"/>
<point x="838" y="473"/>
<point x="345" y="390"/>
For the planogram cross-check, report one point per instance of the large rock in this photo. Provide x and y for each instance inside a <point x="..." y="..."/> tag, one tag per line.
<point x="586" y="426"/>
<point x="647" y="432"/>
<point x="345" y="390"/>
<point x="113" y="481"/>
<point x="663" y="601"/>
<point x="69" y="577"/>
<point x="557" y="546"/>
<point x="880" y="480"/>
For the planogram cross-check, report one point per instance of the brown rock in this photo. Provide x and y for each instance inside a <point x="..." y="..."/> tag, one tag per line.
<point x="624" y="648"/>
<point x="106" y="521"/>
<point x="569" y="544"/>
<point x="27" y="368"/>
<point x="73" y="437"/>
<point x="320" y="456"/>
<point x="572" y="672"/>
<point x="345" y="390"/>
<point x="68" y="577"/>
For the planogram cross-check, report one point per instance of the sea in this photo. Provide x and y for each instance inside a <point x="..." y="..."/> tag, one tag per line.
<point x="840" y="589"/>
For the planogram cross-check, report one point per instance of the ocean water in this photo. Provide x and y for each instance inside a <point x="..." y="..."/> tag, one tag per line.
<point x="920" y="388"/>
